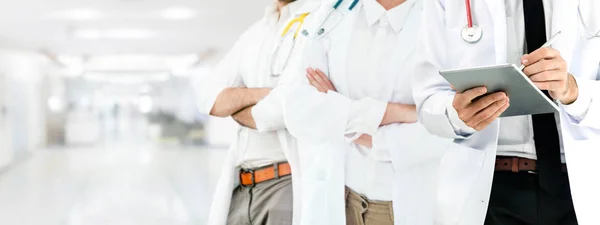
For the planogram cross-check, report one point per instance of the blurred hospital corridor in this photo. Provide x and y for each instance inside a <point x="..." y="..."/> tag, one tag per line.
<point x="125" y="182"/>
<point x="98" y="115"/>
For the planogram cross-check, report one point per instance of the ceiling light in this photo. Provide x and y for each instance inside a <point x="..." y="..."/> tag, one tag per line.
<point x="55" y="104"/>
<point x="87" y="34"/>
<point x="127" y="77"/>
<point x="178" y="13"/>
<point x="122" y="33"/>
<point x="77" y="14"/>
<point x="73" y="65"/>
<point x="129" y="34"/>
<point x="145" y="104"/>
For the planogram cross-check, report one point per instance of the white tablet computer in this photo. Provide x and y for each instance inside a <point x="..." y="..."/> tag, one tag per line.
<point x="525" y="97"/>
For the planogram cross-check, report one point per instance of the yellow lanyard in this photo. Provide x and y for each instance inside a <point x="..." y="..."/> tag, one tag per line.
<point x="299" y="20"/>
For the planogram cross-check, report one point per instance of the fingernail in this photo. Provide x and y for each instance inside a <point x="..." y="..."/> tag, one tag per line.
<point x="524" y="61"/>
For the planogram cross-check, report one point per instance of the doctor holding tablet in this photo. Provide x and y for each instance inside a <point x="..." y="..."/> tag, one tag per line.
<point x="522" y="169"/>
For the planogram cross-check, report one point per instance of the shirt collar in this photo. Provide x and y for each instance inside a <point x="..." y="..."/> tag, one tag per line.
<point x="396" y="16"/>
<point x="273" y="17"/>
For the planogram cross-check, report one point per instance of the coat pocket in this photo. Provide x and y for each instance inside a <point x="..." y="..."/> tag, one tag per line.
<point x="458" y="171"/>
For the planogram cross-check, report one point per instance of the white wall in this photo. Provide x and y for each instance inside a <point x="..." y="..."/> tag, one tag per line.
<point x="6" y="153"/>
<point x="23" y="73"/>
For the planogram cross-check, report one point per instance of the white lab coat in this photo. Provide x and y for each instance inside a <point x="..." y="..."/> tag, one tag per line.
<point x="466" y="170"/>
<point x="267" y="115"/>
<point x="319" y="120"/>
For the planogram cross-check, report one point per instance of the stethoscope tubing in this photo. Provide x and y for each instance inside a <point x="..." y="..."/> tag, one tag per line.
<point x="469" y="13"/>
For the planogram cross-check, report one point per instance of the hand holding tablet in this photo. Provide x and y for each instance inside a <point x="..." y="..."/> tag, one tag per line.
<point x="525" y="97"/>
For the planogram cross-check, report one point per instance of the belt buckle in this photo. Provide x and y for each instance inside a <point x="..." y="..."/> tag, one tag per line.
<point x="251" y="177"/>
<point x="276" y="170"/>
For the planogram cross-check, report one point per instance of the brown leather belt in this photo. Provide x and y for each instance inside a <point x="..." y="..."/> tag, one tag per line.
<point x="518" y="164"/>
<point x="251" y="177"/>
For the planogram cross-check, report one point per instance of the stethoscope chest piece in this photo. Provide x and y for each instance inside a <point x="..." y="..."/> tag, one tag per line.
<point x="471" y="34"/>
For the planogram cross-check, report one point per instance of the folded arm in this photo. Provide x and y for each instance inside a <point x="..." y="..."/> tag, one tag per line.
<point x="319" y="117"/>
<point x="266" y="115"/>
<point x="362" y="121"/>
<point x="233" y="100"/>
<point x="222" y="92"/>
<point x="244" y="117"/>
<point x="398" y="131"/>
<point x="394" y="113"/>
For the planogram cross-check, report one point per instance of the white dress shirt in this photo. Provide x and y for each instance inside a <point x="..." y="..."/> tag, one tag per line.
<point x="371" y="62"/>
<point x="516" y="133"/>
<point x="248" y="64"/>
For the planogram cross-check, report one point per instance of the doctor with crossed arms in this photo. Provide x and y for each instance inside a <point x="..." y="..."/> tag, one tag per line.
<point x="258" y="184"/>
<point x="350" y="105"/>
<point x="539" y="169"/>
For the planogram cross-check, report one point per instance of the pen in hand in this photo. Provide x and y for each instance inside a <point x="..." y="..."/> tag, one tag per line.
<point x="547" y="44"/>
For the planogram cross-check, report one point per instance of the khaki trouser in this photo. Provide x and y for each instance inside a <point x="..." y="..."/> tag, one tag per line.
<point x="362" y="211"/>
<point x="267" y="203"/>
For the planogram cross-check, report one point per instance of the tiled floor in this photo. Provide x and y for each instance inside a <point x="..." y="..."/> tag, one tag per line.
<point x="117" y="184"/>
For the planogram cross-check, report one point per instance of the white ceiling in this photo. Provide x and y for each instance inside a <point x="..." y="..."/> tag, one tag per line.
<point x="33" y="24"/>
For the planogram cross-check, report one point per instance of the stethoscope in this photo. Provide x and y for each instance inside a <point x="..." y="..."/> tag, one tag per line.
<point x="322" y="29"/>
<point x="470" y="33"/>
<point x="592" y="35"/>
<point x="277" y="68"/>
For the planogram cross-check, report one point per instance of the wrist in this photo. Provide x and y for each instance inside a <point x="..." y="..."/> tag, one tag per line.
<point x="390" y="116"/>
<point x="263" y="92"/>
<point x="258" y="94"/>
<point x="572" y="92"/>
<point x="399" y="113"/>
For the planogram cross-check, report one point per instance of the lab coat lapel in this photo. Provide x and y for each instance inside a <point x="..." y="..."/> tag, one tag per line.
<point x="227" y="181"/>
<point x="342" y="37"/>
<point x="499" y="32"/>
<point x="290" y="149"/>
<point x="565" y="19"/>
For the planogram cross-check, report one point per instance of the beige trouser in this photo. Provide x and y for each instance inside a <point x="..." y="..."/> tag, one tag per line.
<point x="267" y="203"/>
<point x="362" y="211"/>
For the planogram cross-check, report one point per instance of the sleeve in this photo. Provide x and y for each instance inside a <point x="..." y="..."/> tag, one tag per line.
<point x="406" y="144"/>
<point x="388" y="145"/>
<point x="315" y="116"/>
<point x="585" y="111"/>
<point x="268" y="113"/>
<point x="431" y="92"/>
<point x="225" y="74"/>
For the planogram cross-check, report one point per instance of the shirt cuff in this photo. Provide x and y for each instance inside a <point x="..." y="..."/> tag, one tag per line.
<point x="578" y="109"/>
<point x="460" y="128"/>
<point x="268" y="114"/>
<point x="365" y="117"/>
<point x="207" y="89"/>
